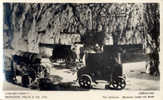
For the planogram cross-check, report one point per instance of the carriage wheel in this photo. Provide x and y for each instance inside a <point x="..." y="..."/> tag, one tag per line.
<point x="85" y="82"/>
<point x="26" y="80"/>
<point x="42" y="71"/>
<point x="121" y="84"/>
<point x="114" y="84"/>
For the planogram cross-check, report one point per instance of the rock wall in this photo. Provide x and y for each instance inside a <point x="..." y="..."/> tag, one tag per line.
<point x="25" y="25"/>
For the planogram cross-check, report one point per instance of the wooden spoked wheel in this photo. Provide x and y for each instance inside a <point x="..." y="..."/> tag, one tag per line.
<point x="114" y="84"/>
<point x="26" y="81"/>
<point x="117" y="84"/>
<point x="121" y="84"/>
<point x="85" y="82"/>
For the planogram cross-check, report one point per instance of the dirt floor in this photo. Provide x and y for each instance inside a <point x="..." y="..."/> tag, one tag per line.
<point x="64" y="79"/>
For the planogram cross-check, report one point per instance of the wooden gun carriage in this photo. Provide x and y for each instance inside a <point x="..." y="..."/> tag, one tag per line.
<point x="28" y="66"/>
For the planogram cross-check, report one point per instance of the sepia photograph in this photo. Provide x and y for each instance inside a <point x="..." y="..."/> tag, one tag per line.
<point x="81" y="46"/>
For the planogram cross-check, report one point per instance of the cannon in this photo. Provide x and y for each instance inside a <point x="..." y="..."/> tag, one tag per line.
<point x="28" y="66"/>
<point x="103" y="66"/>
<point x="61" y="51"/>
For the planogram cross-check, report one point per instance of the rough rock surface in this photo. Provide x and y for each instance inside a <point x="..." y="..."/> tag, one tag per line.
<point x="26" y="25"/>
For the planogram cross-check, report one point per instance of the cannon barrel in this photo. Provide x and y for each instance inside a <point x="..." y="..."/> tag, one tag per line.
<point x="27" y="58"/>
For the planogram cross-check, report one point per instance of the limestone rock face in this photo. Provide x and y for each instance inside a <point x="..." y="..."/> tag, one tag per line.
<point x="26" y="25"/>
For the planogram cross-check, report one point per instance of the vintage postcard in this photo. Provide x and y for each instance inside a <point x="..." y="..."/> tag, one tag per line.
<point x="97" y="50"/>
